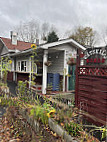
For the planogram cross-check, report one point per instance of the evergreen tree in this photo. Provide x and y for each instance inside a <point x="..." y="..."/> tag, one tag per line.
<point x="52" y="37"/>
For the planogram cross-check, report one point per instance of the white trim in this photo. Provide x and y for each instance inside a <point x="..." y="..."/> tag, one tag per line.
<point x="48" y="45"/>
<point x="44" y="79"/>
<point x="21" y="52"/>
<point x="4" y="44"/>
<point x="10" y="50"/>
<point x="16" y="50"/>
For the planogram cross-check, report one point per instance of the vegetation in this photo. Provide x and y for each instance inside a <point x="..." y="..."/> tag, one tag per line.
<point x="86" y="36"/>
<point x="73" y="128"/>
<point x="5" y="67"/>
<point x="69" y="119"/>
<point x="52" y="37"/>
<point x="33" y="30"/>
<point x="66" y="118"/>
<point x="103" y="131"/>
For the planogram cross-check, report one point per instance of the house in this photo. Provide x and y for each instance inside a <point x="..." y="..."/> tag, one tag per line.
<point x="59" y="74"/>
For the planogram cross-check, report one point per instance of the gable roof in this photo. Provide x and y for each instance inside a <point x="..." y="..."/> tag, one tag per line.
<point x="25" y="47"/>
<point x="21" y="45"/>
<point x="48" y="45"/>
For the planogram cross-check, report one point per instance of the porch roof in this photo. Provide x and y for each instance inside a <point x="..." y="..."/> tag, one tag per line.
<point x="53" y="44"/>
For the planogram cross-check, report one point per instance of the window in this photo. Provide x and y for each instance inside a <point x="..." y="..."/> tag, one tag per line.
<point x="22" y="66"/>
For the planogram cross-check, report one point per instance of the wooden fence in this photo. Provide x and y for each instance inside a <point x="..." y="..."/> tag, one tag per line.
<point x="91" y="91"/>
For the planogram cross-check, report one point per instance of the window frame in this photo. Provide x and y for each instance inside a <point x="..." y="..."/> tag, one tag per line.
<point x="19" y="66"/>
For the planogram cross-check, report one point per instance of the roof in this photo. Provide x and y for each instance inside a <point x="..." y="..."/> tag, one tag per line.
<point x="21" y="45"/>
<point x="25" y="47"/>
<point x="48" y="45"/>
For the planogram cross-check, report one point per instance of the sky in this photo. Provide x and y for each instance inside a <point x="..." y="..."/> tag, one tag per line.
<point x="65" y="15"/>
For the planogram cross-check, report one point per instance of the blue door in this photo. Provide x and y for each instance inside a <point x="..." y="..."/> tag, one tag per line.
<point x="53" y="81"/>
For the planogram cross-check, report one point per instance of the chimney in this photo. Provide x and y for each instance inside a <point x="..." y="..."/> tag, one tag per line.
<point x="14" y="38"/>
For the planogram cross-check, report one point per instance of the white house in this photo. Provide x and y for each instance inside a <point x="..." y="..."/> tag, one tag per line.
<point x="58" y="53"/>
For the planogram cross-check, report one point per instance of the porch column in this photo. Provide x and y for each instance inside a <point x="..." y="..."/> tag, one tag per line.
<point x="30" y="71"/>
<point x="14" y="76"/>
<point x="44" y="78"/>
<point x="67" y="80"/>
<point x="64" y="79"/>
<point x="13" y="69"/>
<point x="64" y="71"/>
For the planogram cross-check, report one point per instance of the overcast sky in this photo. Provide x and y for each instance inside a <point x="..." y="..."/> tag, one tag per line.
<point x="64" y="14"/>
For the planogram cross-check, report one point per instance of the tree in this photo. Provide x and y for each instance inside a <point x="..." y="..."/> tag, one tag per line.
<point x="85" y="36"/>
<point x="28" y="31"/>
<point x="45" y="30"/>
<point x="104" y="35"/>
<point x="52" y="37"/>
<point x="32" y="30"/>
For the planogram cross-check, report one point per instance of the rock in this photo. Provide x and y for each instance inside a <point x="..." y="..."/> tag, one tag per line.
<point x="14" y="140"/>
<point x="7" y="129"/>
<point x="60" y="131"/>
<point x="2" y="131"/>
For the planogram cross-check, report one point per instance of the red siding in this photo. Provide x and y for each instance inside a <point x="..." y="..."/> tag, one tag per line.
<point x="10" y="76"/>
<point x="22" y="76"/>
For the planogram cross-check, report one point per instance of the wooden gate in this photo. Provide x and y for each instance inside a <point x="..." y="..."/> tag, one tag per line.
<point x="91" y="90"/>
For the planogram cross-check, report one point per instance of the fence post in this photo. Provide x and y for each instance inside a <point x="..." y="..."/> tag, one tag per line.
<point x="76" y="82"/>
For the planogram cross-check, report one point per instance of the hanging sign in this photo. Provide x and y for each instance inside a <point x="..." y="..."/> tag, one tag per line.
<point x="95" y="55"/>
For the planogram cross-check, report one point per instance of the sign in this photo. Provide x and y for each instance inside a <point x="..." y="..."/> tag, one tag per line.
<point x="95" y="60"/>
<point x="95" y="51"/>
<point x="95" y="55"/>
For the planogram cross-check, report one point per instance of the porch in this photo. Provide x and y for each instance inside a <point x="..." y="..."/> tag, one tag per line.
<point x="55" y="76"/>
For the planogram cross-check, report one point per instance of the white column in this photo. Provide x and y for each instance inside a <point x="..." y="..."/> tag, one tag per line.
<point x="64" y="72"/>
<point x="13" y="69"/>
<point x="44" y="78"/>
<point x="67" y="78"/>
<point x="30" y="70"/>
<point x="64" y="80"/>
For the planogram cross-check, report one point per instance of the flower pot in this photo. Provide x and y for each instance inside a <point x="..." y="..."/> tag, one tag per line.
<point x="48" y="63"/>
<point x="71" y="61"/>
